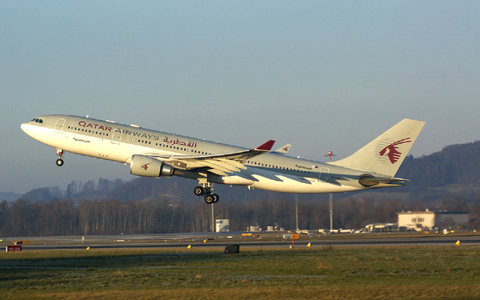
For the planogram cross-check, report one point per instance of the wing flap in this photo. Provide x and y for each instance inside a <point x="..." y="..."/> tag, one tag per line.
<point x="232" y="163"/>
<point x="218" y="172"/>
<point x="218" y="166"/>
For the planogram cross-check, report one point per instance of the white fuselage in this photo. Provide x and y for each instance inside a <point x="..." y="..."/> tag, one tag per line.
<point x="111" y="141"/>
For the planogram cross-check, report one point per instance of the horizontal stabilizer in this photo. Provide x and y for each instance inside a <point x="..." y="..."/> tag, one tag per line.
<point x="368" y="180"/>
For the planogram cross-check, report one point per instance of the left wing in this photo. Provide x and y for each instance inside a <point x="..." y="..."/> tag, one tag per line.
<point x="219" y="164"/>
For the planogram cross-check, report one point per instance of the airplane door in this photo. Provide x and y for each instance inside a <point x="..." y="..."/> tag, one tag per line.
<point x="59" y="125"/>
<point x="324" y="174"/>
<point x="116" y="136"/>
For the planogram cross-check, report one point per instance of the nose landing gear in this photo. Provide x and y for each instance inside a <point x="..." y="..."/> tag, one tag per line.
<point x="59" y="161"/>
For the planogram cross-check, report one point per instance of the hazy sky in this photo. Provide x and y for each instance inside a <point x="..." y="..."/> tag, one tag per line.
<point x="322" y="75"/>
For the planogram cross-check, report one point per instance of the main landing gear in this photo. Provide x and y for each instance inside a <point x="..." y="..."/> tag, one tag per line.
<point x="206" y="190"/>
<point x="59" y="161"/>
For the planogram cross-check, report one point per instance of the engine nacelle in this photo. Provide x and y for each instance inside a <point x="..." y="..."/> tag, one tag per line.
<point x="149" y="167"/>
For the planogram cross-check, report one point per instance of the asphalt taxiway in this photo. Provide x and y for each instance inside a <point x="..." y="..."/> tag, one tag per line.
<point x="256" y="240"/>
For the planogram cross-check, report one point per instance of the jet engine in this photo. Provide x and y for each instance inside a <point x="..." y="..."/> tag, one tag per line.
<point x="149" y="167"/>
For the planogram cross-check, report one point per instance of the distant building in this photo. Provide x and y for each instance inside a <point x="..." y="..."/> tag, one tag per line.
<point x="383" y="227"/>
<point x="275" y="227"/>
<point x="420" y="220"/>
<point x="255" y="228"/>
<point x="222" y="225"/>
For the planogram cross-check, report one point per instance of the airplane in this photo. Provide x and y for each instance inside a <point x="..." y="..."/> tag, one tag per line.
<point x="152" y="153"/>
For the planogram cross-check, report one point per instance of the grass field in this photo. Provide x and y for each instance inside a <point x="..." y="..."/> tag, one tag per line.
<point x="317" y="273"/>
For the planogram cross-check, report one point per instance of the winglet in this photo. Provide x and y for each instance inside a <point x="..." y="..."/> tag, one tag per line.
<point x="284" y="149"/>
<point x="266" y="147"/>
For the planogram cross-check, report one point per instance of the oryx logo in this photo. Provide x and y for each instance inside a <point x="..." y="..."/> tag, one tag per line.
<point x="392" y="150"/>
<point x="145" y="166"/>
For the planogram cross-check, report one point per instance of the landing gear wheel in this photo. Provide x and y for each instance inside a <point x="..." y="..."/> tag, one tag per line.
<point x="59" y="162"/>
<point x="205" y="189"/>
<point x="198" y="191"/>
<point x="209" y="199"/>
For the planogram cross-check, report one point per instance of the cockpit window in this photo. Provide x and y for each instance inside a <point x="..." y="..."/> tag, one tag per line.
<point x="36" y="120"/>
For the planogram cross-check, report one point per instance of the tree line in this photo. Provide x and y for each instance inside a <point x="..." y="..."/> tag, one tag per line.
<point x="146" y="205"/>
<point x="166" y="215"/>
<point x="455" y="164"/>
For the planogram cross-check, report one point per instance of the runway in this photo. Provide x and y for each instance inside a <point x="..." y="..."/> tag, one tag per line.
<point x="257" y="240"/>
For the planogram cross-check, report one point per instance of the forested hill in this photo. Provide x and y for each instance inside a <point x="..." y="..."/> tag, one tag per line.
<point x="445" y="180"/>
<point x="455" y="164"/>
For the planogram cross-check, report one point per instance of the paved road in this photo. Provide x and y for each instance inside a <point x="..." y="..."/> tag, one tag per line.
<point x="204" y="240"/>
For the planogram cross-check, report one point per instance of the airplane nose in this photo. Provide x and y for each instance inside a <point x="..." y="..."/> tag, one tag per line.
<point x="27" y="128"/>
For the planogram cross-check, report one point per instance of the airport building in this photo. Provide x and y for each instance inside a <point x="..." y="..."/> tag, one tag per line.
<point x="222" y="225"/>
<point x="383" y="227"/>
<point x="428" y="220"/>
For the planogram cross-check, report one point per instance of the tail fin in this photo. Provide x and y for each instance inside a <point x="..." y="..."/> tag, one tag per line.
<point x="385" y="154"/>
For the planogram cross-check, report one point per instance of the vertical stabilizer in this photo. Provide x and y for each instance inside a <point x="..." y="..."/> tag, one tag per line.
<point x="385" y="154"/>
